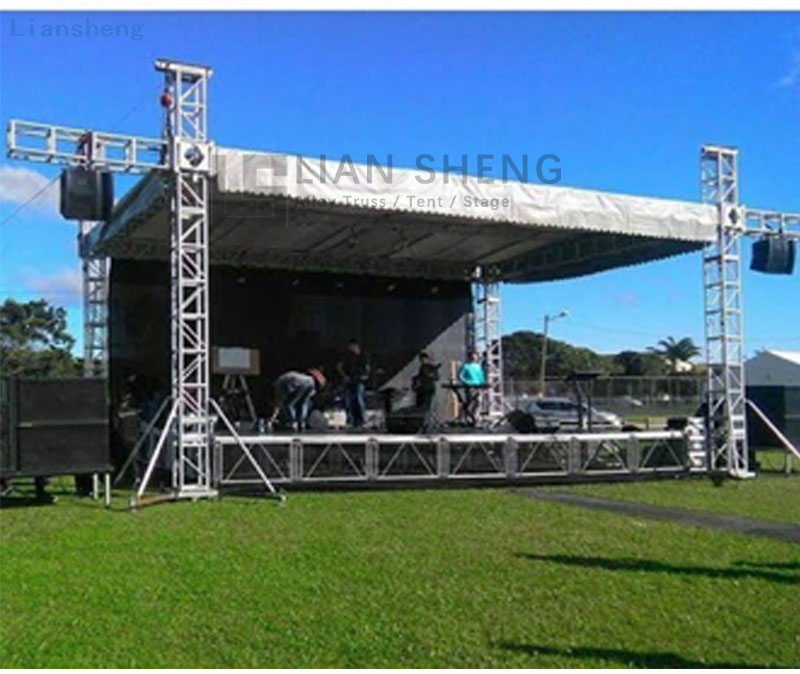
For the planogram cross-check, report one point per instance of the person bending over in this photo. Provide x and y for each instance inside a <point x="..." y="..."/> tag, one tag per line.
<point x="293" y="394"/>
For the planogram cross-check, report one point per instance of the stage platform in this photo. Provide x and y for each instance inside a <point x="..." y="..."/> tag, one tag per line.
<point x="381" y="459"/>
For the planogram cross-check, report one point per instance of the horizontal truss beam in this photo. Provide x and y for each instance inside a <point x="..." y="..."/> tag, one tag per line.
<point x="65" y="146"/>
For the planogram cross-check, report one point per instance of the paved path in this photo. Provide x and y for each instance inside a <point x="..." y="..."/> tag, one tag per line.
<point x="742" y="525"/>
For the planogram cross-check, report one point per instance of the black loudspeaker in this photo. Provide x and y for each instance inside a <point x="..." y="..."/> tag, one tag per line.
<point x="406" y="421"/>
<point x="54" y="427"/>
<point x="521" y="422"/>
<point x="773" y="255"/>
<point x="86" y="194"/>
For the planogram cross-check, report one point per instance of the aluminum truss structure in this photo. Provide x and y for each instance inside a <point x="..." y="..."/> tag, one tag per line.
<point x="67" y="146"/>
<point x="726" y="434"/>
<point x="95" y="316"/>
<point x="185" y="154"/>
<point x="189" y="425"/>
<point x="487" y="335"/>
<point x="364" y="459"/>
<point x="722" y="288"/>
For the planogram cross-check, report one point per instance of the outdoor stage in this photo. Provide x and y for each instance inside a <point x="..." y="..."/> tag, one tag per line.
<point x="273" y="220"/>
<point x="298" y="264"/>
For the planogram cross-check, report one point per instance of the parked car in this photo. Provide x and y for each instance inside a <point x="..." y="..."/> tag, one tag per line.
<point x="563" y="413"/>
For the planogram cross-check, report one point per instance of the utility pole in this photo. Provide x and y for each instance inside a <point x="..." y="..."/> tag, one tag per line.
<point x="543" y="369"/>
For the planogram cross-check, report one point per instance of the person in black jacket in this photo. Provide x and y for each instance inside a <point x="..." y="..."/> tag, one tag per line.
<point x="354" y="370"/>
<point x="424" y="382"/>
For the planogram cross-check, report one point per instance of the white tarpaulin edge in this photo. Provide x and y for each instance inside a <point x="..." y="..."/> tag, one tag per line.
<point x="360" y="185"/>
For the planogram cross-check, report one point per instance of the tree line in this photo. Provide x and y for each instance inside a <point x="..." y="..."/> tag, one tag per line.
<point x="522" y="353"/>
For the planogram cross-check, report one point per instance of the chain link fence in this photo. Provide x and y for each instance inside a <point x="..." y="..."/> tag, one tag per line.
<point x="626" y="396"/>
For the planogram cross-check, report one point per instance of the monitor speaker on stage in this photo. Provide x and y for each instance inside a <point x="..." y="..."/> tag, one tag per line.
<point x="773" y="255"/>
<point x="86" y="194"/>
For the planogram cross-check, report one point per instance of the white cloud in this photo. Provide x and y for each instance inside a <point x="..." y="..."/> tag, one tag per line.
<point x="17" y="185"/>
<point x="791" y="78"/>
<point x="57" y="286"/>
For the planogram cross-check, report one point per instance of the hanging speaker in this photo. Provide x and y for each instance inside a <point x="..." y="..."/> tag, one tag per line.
<point x="773" y="255"/>
<point x="86" y="194"/>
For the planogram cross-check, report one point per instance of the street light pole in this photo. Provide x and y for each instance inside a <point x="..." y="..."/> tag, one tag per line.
<point x="543" y="369"/>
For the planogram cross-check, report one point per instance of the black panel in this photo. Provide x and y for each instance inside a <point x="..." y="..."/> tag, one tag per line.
<point x="406" y="421"/>
<point x="50" y="450"/>
<point x="54" y="426"/>
<point x="295" y="320"/>
<point x="61" y="399"/>
<point x="771" y="400"/>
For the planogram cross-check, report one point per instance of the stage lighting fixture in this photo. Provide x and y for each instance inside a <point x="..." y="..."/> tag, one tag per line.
<point x="194" y="156"/>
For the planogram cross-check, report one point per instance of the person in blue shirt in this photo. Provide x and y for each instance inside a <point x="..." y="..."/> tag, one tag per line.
<point x="471" y="372"/>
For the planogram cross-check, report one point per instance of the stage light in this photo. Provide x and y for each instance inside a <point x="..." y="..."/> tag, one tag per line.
<point x="194" y="156"/>
<point x="166" y="99"/>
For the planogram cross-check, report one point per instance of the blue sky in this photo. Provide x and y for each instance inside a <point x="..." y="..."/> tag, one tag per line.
<point x="625" y="101"/>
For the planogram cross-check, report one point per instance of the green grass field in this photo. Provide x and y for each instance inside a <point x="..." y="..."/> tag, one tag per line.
<point x="773" y="496"/>
<point x="459" y="578"/>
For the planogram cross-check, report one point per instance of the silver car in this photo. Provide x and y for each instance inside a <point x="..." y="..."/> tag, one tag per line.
<point x="563" y="413"/>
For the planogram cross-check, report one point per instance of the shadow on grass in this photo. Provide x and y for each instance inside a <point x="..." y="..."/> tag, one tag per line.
<point x="654" y="566"/>
<point x="770" y="565"/>
<point x="8" y="502"/>
<point x="655" y="660"/>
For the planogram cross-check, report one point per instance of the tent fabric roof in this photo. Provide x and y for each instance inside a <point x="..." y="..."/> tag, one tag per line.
<point x="773" y="368"/>
<point x="287" y="211"/>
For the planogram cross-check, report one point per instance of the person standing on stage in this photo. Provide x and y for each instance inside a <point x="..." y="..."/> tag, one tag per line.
<point x="471" y="372"/>
<point x="424" y="382"/>
<point x="293" y="393"/>
<point x="354" y="371"/>
<point x="471" y="375"/>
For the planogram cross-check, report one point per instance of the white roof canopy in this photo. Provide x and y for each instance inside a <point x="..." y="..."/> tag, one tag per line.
<point x="292" y="212"/>
<point x="773" y="368"/>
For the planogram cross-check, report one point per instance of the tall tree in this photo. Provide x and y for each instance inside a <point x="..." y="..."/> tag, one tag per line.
<point x="34" y="340"/>
<point x="636" y="364"/>
<point x="522" y="357"/>
<point x="676" y="351"/>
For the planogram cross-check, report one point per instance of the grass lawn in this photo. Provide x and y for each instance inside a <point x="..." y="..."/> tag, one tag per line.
<point x="439" y="578"/>
<point x="771" y="496"/>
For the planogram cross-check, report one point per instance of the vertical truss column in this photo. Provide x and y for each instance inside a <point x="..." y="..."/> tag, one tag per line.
<point x="488" y="341"/>
<point x="95" y="315"/>
<point x="185" y="96"/>
<point x="94" y="280"/>
<point x="725" y="395"/>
